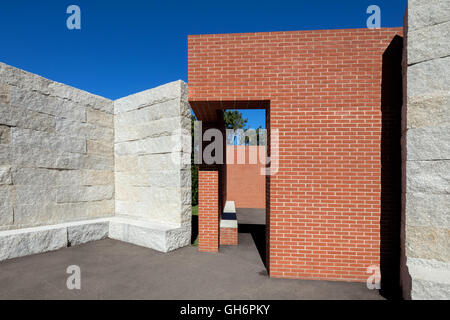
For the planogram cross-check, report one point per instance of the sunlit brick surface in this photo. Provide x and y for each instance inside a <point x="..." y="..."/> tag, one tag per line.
<point x="208" y="211"/>
<point x="324" y="89"/>
<point x="228" y="236"/>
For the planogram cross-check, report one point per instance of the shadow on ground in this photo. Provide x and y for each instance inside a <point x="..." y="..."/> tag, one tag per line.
<point x="258" y="233"/>
<point x="253" y="221"/>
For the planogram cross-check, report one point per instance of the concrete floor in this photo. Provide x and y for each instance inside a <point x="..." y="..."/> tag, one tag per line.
<point x="115" y="270"/>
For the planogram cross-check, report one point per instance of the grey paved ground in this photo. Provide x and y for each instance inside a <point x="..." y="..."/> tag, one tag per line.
<point x="116" y="270"/>
<point x="251" y="216"/>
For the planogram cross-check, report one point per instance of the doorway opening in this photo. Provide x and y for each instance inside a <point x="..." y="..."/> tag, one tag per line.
<point x="244" y="172"/>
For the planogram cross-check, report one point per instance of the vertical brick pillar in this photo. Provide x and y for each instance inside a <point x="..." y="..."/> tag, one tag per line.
<point x="208" y="211"/>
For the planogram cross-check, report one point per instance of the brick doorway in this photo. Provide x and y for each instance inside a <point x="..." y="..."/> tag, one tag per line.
<point x="245" y="181"/>
<point x="324" y="86"/>
<point x="233" y="180"/>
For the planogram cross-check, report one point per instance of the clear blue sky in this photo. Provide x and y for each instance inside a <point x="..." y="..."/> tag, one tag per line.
<point x="128" y="46"/>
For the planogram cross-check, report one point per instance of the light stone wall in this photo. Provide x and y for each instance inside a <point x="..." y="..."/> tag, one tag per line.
<point x="426" y="151"/>
<point x="68" y="157"/>
<point x="152" y="138"/>
<point x="56" y="152"/>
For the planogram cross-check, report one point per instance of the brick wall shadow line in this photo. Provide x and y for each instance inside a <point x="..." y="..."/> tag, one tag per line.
<point x="391" y="106"/>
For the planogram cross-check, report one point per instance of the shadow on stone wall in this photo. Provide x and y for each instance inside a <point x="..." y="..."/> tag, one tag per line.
<point x="391" y="166"/>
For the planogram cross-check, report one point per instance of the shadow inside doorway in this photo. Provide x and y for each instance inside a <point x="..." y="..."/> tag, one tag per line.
<point x="253" y="221"/>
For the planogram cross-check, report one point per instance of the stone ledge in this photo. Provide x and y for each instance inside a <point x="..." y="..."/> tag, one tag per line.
<point x="24" y="242"/>
<point x="79" y="233"/>
<point x="228" y="224"/>
<point x="229" y="207"/>
<point x="27" y="241"/>
<point x="157" y="236"/>
<point x="228" y="218"/>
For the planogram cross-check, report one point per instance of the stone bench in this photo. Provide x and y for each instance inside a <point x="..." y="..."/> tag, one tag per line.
<point x="229" y="225"/>
<point x="157" y="236"/>
<point x="27" y="241"/>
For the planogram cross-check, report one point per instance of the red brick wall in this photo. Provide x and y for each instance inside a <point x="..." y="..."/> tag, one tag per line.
<point x="246" y="186"/>
<point x="228" y="236"/>
<point x="324" y="89"/>
<point x="208" y="211"/>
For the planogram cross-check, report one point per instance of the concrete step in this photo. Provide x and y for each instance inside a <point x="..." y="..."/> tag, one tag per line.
<point x="27" y="241"/>
<point x="157" y="236"/>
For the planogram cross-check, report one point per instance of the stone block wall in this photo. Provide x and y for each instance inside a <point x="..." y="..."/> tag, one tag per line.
<point x="152" y="136"/>
<point x="426" y="151"/>
<point x="76" y="167"/>
<point x="56" y="152"/>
